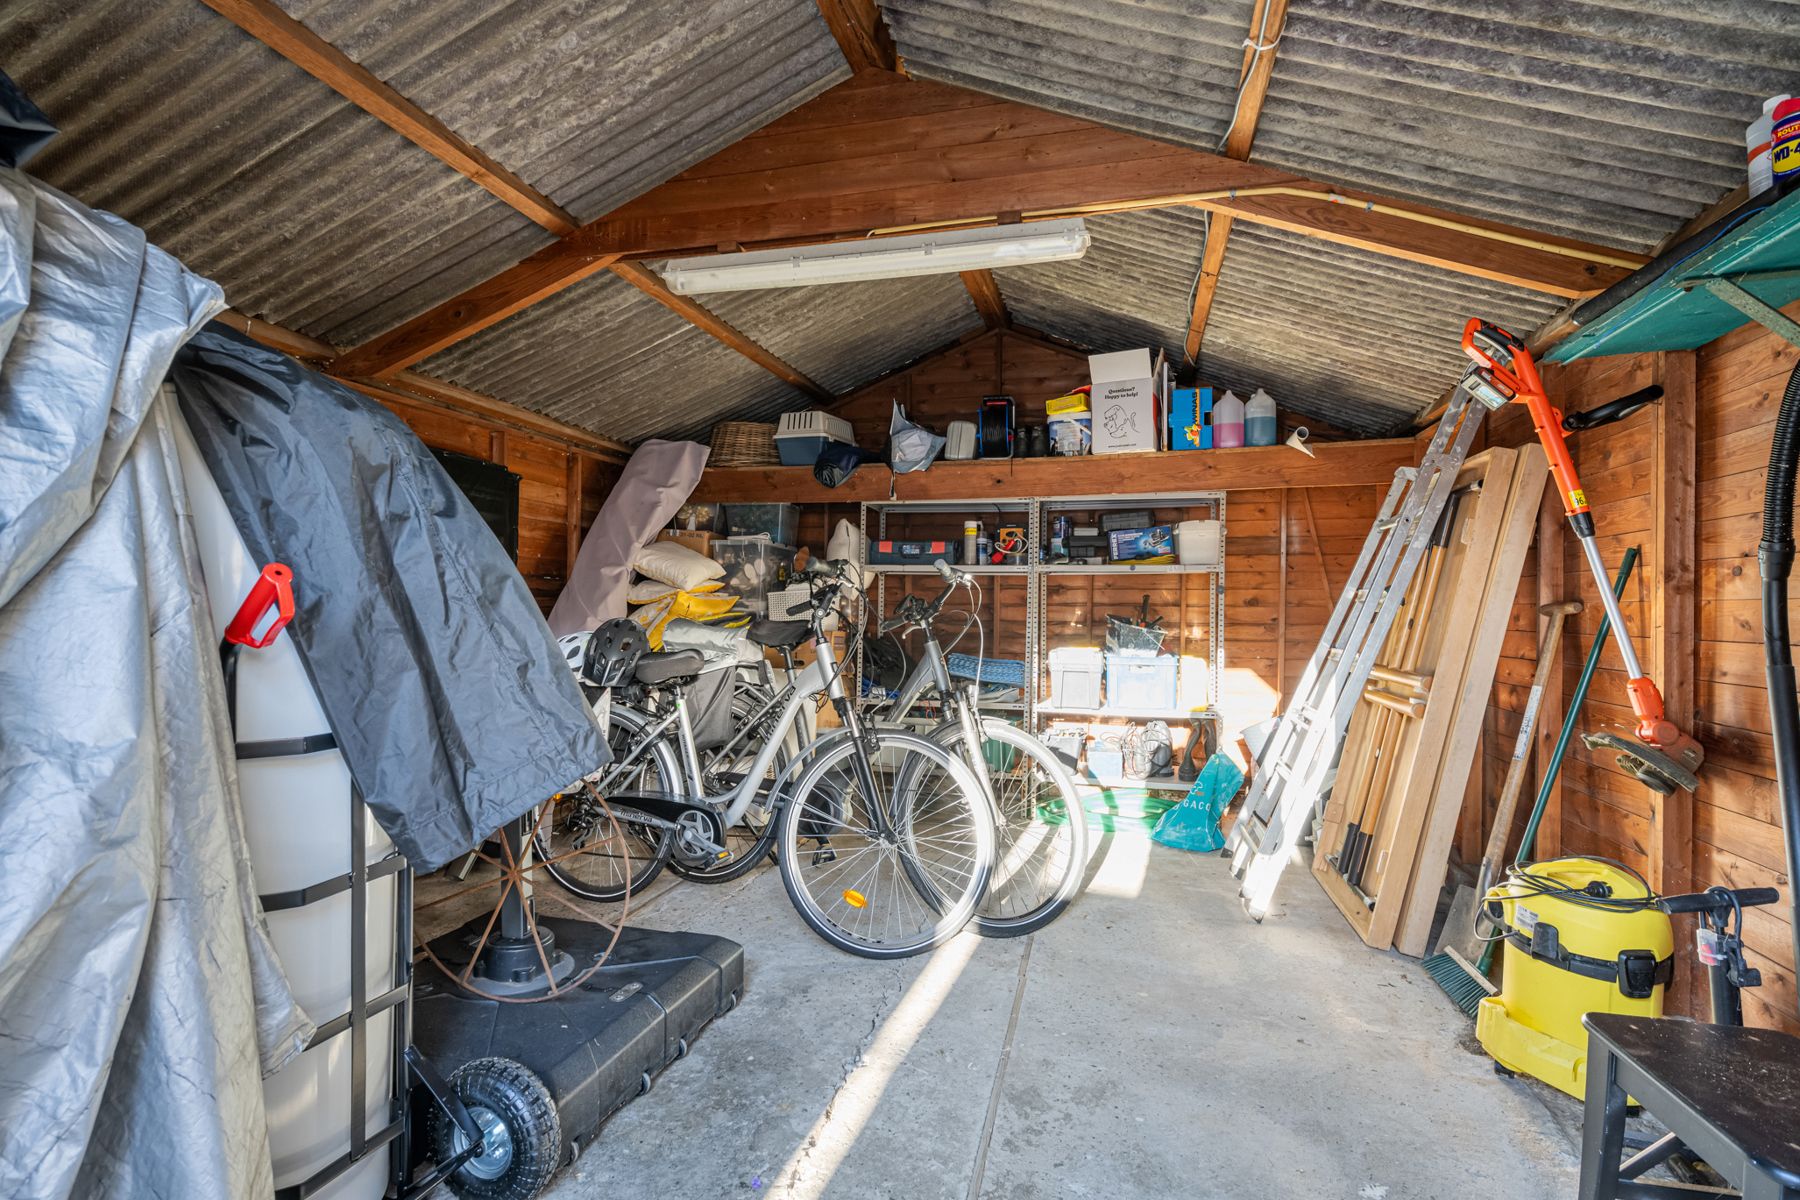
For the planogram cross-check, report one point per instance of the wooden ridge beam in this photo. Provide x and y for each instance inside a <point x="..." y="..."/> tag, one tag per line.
<point x="265" y="21"/>
<point x="882" y="153"/>
<point x="1337" y="464"/>
<point x="861" y="34"/>
<point x="985" y="292"/>
<point x="1267" y="23"/>
<point x="651" y="284"/>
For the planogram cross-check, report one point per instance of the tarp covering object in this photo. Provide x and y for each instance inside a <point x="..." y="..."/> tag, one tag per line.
<point x="140" y="1001"/>
<point x="657" y="481"/>
<point x="449" y="698"/>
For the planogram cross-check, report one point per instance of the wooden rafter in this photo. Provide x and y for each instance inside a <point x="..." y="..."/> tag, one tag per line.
<point x="984" y="290"/>
<point x="549" y="271"/>
<point x="880" y="153"/>
<point x="1267" y="22"/>
<point x="651" y="284"/>
<point x="861" y="34"/>
<point x="411" y="385"/>
<point x="267" y="23"/>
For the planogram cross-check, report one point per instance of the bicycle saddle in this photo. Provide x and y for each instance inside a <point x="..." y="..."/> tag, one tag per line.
<point x="778" y="635"/>
<point x="665" y="665"/>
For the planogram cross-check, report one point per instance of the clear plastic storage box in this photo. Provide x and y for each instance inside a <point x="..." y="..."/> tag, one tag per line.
<point x="754" y="567"/>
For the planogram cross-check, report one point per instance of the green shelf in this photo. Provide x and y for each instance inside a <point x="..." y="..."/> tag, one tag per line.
<point x="1683" y="307"/>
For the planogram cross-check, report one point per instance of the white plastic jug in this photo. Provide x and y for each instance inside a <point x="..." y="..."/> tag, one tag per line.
<point x="1228" y="422"/>
<point x="1259" y="420"/>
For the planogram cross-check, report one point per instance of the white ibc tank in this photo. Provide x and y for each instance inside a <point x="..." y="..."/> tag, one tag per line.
<point x="298" y="820"/>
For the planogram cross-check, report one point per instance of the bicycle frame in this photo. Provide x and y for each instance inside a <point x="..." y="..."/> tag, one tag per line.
<point x="934" y="671"/>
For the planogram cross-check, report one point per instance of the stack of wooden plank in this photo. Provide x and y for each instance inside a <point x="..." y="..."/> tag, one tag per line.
<point x="1384" y="845"/>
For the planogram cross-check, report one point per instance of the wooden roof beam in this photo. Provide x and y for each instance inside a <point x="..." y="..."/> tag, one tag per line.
<point x="412" y="385"/>
<point x="651" y="284"/>
<point x="1267" y="23"/>
<point x="861" y="34"/>
<point x="547" y="272"/>
<point x="882" y="154"/>
<point x="984" y="290"/>
<point x="265" y="21"/>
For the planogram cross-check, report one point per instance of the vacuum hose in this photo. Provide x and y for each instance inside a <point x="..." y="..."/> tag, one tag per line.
<point x="1775" y="558"/>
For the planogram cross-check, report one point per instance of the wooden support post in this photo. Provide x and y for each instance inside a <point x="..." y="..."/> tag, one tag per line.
<point x="1281" y="609"/>
<point x="1312" y="530"/>
<point x="1673" y="620"/>
<point x="1673" y="626"/>
<point x="571" y="514"/>
<point x="1551" y="589"/>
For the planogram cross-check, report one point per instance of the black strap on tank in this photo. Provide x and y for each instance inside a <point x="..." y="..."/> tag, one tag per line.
<point x="1637" y="972"/>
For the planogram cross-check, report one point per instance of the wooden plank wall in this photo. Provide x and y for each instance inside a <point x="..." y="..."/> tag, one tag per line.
<point x="1736" y="836"/>
<point x="949" y="386"/>
<point x="560" y="486"/>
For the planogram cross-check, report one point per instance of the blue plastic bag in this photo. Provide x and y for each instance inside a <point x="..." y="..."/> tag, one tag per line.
<point x="1194" y="823"/>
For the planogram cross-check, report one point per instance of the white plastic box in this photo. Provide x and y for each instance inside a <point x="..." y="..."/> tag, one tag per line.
<point x="1075" y="674"/>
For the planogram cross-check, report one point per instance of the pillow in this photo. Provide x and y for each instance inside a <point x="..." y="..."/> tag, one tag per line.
<point x="676" y="565"/>
<point x="649" y="591"/>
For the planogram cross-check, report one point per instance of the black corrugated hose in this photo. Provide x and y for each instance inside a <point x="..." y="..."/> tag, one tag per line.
<point x="1775" y="558"/>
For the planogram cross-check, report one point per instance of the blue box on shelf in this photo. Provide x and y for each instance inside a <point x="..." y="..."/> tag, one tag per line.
<point x="1136" y="545"/>
<point x="1190" y="419"/>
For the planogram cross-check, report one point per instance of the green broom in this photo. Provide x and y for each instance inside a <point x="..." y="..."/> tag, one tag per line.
<point x="1466" y="982"/>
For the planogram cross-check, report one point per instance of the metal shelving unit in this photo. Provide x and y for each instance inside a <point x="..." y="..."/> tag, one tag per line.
<point x="1033" y="515"/>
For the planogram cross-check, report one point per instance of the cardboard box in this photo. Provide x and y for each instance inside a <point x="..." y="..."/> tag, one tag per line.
<point x="697" y="540"/>
<point x="1190" y="419"/>
<point x="1124" y="402"/>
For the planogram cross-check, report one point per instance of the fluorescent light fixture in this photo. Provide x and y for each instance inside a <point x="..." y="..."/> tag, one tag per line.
<point x="879" y="258"/>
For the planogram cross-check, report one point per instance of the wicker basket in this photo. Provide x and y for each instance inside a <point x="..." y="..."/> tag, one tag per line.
<point x="743" y="444"/>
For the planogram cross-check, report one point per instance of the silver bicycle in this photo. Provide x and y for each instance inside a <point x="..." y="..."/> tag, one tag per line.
<point x="1041" y="831"/>
<point x="885" y="840"/>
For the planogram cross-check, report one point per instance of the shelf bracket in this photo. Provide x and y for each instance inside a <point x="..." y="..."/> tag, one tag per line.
<point x="1729" y="288"/>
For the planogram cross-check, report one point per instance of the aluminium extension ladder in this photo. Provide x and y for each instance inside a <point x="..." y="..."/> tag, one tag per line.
<point x="1296" y="767"/>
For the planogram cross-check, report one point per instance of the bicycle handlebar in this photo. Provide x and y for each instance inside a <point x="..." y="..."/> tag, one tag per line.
<point x="1718" y="899"/>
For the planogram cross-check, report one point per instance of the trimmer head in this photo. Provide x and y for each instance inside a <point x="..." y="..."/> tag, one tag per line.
<point x="1649" y="765"/>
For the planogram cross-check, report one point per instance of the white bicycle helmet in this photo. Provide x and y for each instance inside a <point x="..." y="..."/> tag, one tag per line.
<point x="574" y="649"/>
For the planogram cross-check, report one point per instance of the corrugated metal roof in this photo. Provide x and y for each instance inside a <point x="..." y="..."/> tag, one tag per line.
<point x="592" y="102"/>
<point x="1132" y="288"/>
<point x="1615" y="121"/>
<point x="1350" y="337"/>
<point x="307" y="210"/>
<point x="316" y="215"/>
<point x="605" y="356"/>
<point x="843" y="336"/>
<point x="1161" y="68"/>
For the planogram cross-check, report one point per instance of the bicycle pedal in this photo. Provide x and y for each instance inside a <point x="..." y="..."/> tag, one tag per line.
<point x="823" y="856"/>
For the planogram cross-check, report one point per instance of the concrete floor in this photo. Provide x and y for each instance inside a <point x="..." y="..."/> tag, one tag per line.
<point x="1152" y="1043"/>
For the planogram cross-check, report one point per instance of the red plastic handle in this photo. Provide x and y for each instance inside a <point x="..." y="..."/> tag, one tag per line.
<point x="273" y="590"/>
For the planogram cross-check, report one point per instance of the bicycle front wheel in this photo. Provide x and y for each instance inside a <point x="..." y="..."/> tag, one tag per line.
<point x="887" y="855"/>
<point x="1042" y="838"/>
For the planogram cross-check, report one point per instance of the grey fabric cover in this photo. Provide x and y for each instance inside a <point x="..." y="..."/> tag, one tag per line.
<point x="449" y="698"/>
<point x="657" y="481"/>
<point x="140" y="1001"/>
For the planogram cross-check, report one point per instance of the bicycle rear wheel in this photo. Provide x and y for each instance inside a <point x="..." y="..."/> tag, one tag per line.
<point x="752" y="839"/>
<point x="894" y="884"/>
<point x="608" y="869"/>
<point x="1041" y="843"/>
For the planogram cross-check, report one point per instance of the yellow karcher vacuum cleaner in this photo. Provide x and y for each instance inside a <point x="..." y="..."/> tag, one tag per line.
<point x="1580" y="935"/>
